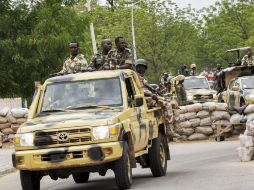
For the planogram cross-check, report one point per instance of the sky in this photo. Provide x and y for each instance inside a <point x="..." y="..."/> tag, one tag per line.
<point x="197" y="4"/>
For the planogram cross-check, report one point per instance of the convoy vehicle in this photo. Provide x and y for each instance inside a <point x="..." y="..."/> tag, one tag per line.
<point x="90" y="122"/>
<point x="240" y="92"/>
<point x="198" y="89"/>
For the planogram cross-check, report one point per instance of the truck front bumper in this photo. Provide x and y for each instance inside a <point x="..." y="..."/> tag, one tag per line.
<point x="67" y="157"/>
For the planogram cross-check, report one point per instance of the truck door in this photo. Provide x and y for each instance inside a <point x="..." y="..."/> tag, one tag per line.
<point x="138" y="127"/>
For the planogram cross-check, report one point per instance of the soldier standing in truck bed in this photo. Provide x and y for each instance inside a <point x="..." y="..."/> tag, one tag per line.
<point x="119" y="58"/>
<point x="76" y="62"/>
<point x="100" y="58"/>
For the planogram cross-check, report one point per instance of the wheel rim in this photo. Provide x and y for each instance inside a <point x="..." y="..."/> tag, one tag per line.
<point x="162" y="155"/>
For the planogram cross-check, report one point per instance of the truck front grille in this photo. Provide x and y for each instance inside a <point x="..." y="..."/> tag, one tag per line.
<point x="49" y="138"/>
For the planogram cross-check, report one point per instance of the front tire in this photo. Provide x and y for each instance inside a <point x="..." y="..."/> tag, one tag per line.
<point x="123" y="169"/>
<point x="158" y="156"/>
<point x="81" y="177"/>
<point x="29" y="180"/>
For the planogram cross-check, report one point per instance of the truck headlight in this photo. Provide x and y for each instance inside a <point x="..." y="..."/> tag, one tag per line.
<point x="106" y="132"/>
<point x="24" y="139"/>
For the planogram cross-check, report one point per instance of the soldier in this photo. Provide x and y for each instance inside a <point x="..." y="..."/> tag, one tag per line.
<point x="180" y="90"/>
<point x="193" y="70"/>
<point x="153" y="99"/>
<point x="248" y="59"/>
<point x="119" y="58"/>
<point x="99" y="59"/>
<point x="76" y="62"/>
<point x="165" y="83"/>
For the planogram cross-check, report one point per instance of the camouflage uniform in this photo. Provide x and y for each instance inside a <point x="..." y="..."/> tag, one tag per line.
<point x="181" y="94"/>
<point x="79" y="63"/>
<point x="119" y="58"/>
<point x="98" y="61"/>
<point x="247" y="60"/>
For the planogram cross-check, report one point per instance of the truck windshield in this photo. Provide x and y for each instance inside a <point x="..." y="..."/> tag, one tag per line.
<point x="248" y="83"/>
<point x="82" y="94"/>
<point x="196" y="83"/>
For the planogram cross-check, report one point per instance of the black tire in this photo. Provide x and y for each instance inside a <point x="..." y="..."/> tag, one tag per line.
<point x="158" y="156"/>
<point x="29" y="180"/>
<point x="81" y="177"/>
<point x="123" y="169"/>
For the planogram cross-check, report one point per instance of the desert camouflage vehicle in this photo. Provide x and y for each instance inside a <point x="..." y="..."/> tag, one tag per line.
<point x="240" y="92"/>
<point x="90" y="122"/>
<point x="226" y="86"/>
<point x="199" y="90"/>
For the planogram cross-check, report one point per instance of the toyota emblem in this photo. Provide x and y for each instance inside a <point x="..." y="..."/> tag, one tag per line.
<point x="63" y="136"/>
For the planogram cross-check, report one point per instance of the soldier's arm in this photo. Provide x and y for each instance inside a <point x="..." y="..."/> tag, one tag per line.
<point x="92" y="65"/>
<point x="128" y="63"/>
<point x="83" y="62"/>
<point x="64" y="69"/>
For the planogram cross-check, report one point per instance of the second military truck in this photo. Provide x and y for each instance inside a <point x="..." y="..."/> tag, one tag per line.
<point x="90" y="122"/>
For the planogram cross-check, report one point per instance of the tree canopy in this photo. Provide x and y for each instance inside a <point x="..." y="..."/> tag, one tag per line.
<point x="34" y="35"/>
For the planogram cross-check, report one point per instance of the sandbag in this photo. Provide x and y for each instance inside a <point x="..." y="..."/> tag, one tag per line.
<point x="185" y="131"/>
<point x="11" y="138"/>
<point x="26" y="115"/>
<point x="15" y="127"/>
<point x="10" y="118"/>
<point x="223" y="123"/>
<point x="5" y="125"/>
<point x="249" y="109"/>
<point x="245" y="154"/>
<point x="3" y="120"/>
<point x="182" y="110"/>
<point x="236" y="118"/>
<point x="5" y="138"/>
<point x="220" y="115"/>
<point x="195" y="122"/>
<point x="209" y="106"/>
<point x="184" y="124"/>
<point x="190" y="115"/>
<point x="206" y="122"/>
<point x="221" y="107"/>
<point x="1" y="141"/>
<point x="204" y="130"/>
<point x="21" y="120"/>
<point x="246" y="141"/>
<point x="203" y="114"/>
<point x="19" y="112"/>
<point x="197" y="136"/>
<point x="250" y="117"/>
<point x="249" y="131"/>
<point x="194" y="107"/>
<point x="7" y="131"/>
<point x="4" y="111"/>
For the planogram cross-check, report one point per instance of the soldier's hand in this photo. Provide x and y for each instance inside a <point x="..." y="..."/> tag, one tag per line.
<point x="154" y="97"/>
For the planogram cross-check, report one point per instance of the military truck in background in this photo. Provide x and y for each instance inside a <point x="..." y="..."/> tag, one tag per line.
<point x="90" y="122"/>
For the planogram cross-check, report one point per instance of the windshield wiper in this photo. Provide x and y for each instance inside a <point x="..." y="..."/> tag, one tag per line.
<point x="89" y="106"/>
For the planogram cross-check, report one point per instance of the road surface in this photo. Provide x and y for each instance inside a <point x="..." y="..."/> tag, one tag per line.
<point x="194" y="166"/>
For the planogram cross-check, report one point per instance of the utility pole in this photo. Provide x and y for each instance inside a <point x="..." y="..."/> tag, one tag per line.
<point x="133" y="30"/>
<point x="88" y="7"/>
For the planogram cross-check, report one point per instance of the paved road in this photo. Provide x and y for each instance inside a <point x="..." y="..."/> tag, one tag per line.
<point x="194" y="166"/>
<point x="5" y="161"/>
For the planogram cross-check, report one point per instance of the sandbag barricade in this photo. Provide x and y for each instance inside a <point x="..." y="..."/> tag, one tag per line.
<point x="207" y="120"/>
<point x="10" y="121"/>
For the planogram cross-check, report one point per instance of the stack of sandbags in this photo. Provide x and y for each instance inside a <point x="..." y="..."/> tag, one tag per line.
<point x="195" y="122"/>
<point x="10" y="120"/>
<point x="246" y="149"/>
<point x="221" y="117"/>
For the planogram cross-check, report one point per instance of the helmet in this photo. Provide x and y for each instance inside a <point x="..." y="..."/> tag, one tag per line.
<point x="141" y="62"/>
<point x="193" y="66"/>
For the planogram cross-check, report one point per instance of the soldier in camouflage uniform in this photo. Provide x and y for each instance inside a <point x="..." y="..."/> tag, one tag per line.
<point x="155" y="100"/>
<point x="248" y="59"/>
<point x="99" y="59"/>
<point x="76" y="62"/>
<point x="119" y="58"/>
<point x="180" y="90"/>
<point x="193" y="70"/>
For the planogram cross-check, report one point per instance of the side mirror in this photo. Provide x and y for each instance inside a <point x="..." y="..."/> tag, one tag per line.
<point x="139" y="100"/>
<point x="236" y="88"/>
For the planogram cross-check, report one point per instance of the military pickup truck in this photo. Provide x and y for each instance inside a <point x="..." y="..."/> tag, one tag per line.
<point x="90" y="122"/>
